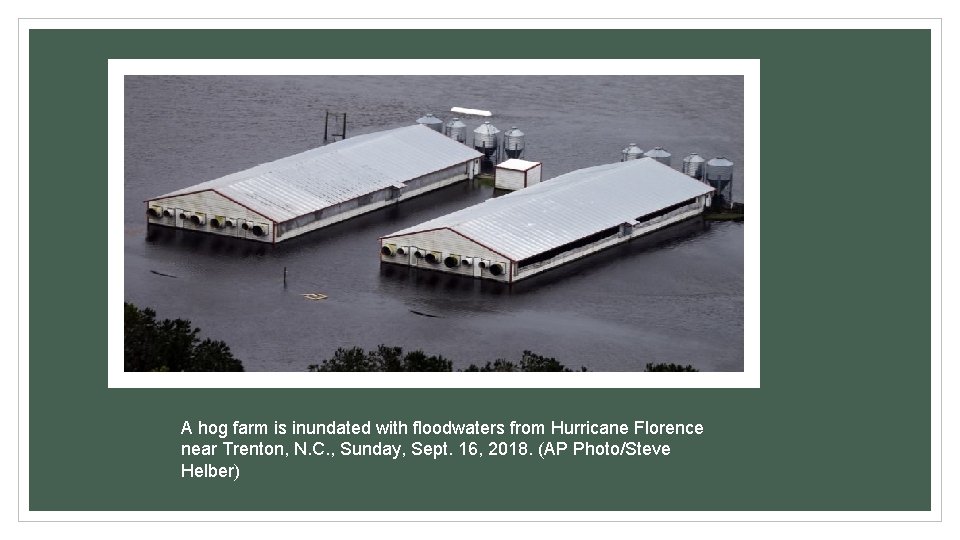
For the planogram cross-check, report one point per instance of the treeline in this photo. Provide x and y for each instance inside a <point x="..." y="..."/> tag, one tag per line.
<point x="170" y="345"/>
<point x="669" y="367"/>
<point x="174" y="345"/>
<point x="385" y="358"/>
<point x="393" y="359"/>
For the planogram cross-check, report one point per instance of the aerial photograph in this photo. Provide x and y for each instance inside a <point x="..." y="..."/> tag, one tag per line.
<point x="310" y="223"/>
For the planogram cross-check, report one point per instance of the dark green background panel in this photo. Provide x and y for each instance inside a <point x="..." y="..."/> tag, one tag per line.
<point x="842" y="421"/>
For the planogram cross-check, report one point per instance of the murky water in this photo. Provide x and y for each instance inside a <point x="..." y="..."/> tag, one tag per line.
<point x="676" y="296"/>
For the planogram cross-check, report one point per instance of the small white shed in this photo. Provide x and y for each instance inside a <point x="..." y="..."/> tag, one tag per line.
<point x="514" y="174"/>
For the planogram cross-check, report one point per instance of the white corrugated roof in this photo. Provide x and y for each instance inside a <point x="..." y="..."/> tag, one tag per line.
<point x="306" y="182"/>
<point x="568" y="207"/>
<point x="518" y="164"/>
<point x="474" y="112"/>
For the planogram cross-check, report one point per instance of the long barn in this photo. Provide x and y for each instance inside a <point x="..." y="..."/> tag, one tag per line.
<point x="529" y="231"/>
<point x="288" y="197"/>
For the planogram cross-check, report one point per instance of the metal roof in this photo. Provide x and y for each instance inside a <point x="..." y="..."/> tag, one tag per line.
<point x="306" y="182"/>
<point x="568" y="207"/>
<point x="518" y="164"/>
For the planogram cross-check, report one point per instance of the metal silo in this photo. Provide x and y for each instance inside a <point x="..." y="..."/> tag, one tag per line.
<point x="718" y="172"/>
<point x="513" y="142"/>
<point x="693" y="166"/>
<point x="431" y="122"/>
<point x="631" y="152"/>
<point x="485" y="139"/>
<point x="660" y="155"/>
<point x="456" y="130"/>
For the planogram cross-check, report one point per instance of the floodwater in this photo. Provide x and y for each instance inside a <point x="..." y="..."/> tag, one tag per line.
<point x="674" y="296"/>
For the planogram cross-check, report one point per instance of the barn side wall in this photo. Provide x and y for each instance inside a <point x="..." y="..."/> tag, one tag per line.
<point x="445" y="242"/>
<point x="210" y="204"/>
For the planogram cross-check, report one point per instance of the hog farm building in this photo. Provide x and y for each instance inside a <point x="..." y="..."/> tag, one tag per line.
<point x="288" y="197"/>
<point x="534" y="229"/>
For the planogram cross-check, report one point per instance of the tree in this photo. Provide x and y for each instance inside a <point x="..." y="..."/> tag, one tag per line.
<point x="418" y="361"/>
<point x="663" y="366"/>
<point x="535" y="362"/>
<point x="499" y="365"/>
<point x="384" y="358"/>
<point x="353" y="359"/>
<point x="529" y="362"/>
<point x="170" y="345"/>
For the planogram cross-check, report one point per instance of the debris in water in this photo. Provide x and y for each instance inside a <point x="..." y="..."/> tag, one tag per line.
<point x="159" y="274"/>
<point x="423" y="314"/>
<point x="473" y="112"/>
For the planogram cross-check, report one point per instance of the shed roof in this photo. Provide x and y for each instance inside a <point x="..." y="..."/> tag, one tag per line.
<point x="306" y="182"/>
<point x="569" y="207"/>
<point x="518" y="164"/>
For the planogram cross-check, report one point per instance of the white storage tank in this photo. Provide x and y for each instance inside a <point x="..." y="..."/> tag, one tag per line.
<point x="693" y="166"/>
<point x="718" y="172"/>
<point x="631" y="152"/>
<point x="660" y="155"/>
<point x="456" y="130"/>
<point x="513" y="142"/>
<point x="485" y="138"/>
<point x="431" y="122"/>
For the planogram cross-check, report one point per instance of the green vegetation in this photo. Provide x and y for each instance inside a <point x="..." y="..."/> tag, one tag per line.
<point x="151" y="345"/>
<point x="174" y="345"/>
<point x="528" y="362"/>
<point x="386" y="358"/>
<point x="669" y="367"/>
<point x="734" y="213"/>
<point x="382" y="359"/>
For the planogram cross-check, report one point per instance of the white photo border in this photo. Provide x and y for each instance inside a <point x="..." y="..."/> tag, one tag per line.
<point x="749" y="69"/>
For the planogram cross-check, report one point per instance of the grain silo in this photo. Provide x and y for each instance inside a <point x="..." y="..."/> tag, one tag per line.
<point x="718" y="172"/>
<point x="285" y="198"/>
<point x="486" y="139"/>
<point x="529" y="231"/>
<point x="514" y="142"/>
<point x="431" y="122"/>
<point x="693" y="166"/>
<point x="631" y="152"/>
<point x="456" y="130"/>
<point x="660" y="155"/>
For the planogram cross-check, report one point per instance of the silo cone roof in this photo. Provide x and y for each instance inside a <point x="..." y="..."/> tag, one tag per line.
<point x="429" y="119"/>
<point x="487" y="129"/>
<point x="633" y="150"/>
<point x="658" y="152"/>
<point x="720" y="162"/>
